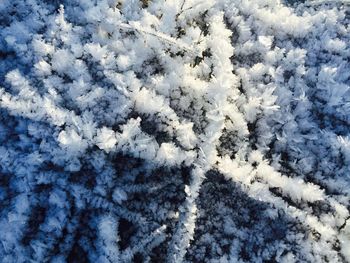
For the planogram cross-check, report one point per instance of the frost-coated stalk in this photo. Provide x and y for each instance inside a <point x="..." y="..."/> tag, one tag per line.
<point x="187" y="219"/>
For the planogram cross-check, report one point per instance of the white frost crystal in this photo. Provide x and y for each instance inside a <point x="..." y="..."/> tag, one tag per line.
<point x="174" y="131"/>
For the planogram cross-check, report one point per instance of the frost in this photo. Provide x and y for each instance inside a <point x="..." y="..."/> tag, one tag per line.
<point x="62" y="60"/>
<point x="72" y="141"/>
<point x="119" y="195"/>
<point x="174" y="131"/>
<point x="106" y="139"/>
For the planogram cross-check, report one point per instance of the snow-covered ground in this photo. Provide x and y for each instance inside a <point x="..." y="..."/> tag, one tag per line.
<point x="174" y="131"/>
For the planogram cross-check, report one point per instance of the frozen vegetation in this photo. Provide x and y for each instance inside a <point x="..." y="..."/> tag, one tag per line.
<point x="174" y="131"/>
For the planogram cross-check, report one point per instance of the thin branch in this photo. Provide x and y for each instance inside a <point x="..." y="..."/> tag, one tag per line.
<point x="161" y="36"/>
